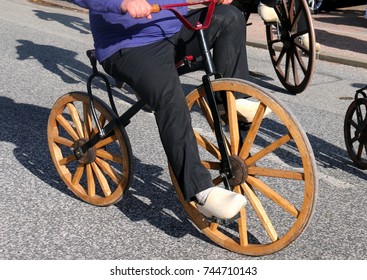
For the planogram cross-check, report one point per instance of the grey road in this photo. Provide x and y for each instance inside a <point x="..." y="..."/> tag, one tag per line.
<point x="42" y="56"/>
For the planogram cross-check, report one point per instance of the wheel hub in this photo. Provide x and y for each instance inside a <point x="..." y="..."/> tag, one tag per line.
<point x="239" y="171"/>
<point x="89" y="156"/>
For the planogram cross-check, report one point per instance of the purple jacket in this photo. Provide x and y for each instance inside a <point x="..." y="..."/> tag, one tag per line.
<point x="113" y="30"/>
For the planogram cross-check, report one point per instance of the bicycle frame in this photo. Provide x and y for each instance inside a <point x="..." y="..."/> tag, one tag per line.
<point x="124" y="119"/>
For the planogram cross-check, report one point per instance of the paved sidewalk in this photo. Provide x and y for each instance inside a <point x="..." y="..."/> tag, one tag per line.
<point x="341" y="33"/>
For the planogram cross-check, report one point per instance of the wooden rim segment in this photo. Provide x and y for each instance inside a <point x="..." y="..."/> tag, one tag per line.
<point x="103" y="174"/>
<point x="280" y="183"/>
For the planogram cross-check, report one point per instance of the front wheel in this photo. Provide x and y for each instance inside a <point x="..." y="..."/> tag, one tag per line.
<point x="274" y="166"/>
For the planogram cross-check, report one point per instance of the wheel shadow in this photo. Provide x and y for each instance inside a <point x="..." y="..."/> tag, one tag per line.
<point x="25" y="126"/>
<point x="154" y="200"/>
<point x="326" y="154"/>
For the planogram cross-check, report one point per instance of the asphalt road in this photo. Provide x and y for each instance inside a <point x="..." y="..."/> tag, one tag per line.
<point x="43" y="56"/>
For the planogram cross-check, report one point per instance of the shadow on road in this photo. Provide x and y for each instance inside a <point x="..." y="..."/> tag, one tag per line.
<point x="72" y="22"/>
<point x="25" y="126"/>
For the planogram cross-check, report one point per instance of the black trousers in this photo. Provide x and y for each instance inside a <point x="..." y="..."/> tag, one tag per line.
<point x="150" y="70"/>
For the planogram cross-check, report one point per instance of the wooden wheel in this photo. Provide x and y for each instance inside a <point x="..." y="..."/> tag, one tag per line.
<point x="275" y="170"/>
<point x="293" y="63"/>
<point x="355" y="132"/>
<point x="103" y="174"/>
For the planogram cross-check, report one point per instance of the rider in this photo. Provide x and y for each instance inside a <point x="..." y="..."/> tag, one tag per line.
<point x="141" y="49"/>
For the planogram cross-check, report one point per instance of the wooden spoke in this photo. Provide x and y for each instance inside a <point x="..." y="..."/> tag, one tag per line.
<point x="287" y="66"/>
<point x="109" y="171"/>
<point x="233" y="123"/>
<point x="295" y="70"/>
<point x="87" y="124"/>
<point x="300" y="61"/>
<point x="76" y="119"/>
<point x="101" y="179"/>
<point x="107" y="155"/>
<point x="217" y="180"/>
<point x="209" y="146"/>
<point x="67" y="160"/>
<point x="353" y="123"/>
<point x="250" y="138"/>
<point x="67" y="126"/>
<point x="63" y="141"/>
<point x="260" y="211"/>
<point x="90" y="181"/>
<point x="78" y="174"/>
<point x="203" y="105"/>
<point x="268" y="149"/>
<point x="276" y="173"/>
<point x="280" y="58"/>
<point x="211" y="164"/>
<point x="296" y="19"/>
<point x="274" y="196"/>
<point x="242" y="222"/>
<point x="102" y="120"/>
<point x="106" y="141"/>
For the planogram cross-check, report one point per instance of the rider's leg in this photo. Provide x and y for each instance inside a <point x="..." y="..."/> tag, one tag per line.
<point x="227" y="37"/>
<point x="150" y="71"/>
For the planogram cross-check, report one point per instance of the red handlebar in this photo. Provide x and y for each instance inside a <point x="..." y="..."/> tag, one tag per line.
<point x="171" y="7"/>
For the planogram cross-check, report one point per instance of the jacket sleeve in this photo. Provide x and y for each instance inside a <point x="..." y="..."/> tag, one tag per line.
<point x="113" y="6"/>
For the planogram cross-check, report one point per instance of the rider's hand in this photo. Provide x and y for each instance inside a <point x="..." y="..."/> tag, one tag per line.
<point x="137" y="8"/>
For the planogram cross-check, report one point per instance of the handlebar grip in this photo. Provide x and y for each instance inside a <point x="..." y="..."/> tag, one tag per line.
<point x="155" y="8"/>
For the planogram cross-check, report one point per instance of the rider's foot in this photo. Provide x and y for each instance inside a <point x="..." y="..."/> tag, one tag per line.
<point x="267" y="13"/>
<point x="220" y="203"/>
<point x="305" y="42"/>
<point x="246" y="109"/>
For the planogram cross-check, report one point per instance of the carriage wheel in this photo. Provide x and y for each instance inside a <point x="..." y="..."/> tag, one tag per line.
<point x="103" y="174"/>
<point x="293" y="63"/>
<point x="355" y="132"/>
<point x="274" y="167"/>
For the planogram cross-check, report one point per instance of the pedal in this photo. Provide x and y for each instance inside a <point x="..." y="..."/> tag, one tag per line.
<point x="225" y="222"/>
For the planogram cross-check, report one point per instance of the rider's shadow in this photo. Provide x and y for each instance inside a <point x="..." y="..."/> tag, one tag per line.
<point x="25" y="126"/>
<point x="64" y="63"/>
<point x="72" y="22"/>
<point x="57" y="60"/>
